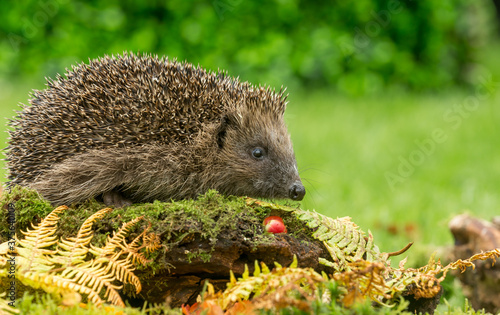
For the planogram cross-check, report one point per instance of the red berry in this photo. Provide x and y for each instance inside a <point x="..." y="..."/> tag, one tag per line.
<point x="274" y="224"/>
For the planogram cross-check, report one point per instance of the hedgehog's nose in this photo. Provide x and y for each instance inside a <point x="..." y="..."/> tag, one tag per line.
<point x="297" y="191"/>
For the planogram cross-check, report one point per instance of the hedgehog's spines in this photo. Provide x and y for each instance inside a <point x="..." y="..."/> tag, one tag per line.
<point x="129" y="101"/>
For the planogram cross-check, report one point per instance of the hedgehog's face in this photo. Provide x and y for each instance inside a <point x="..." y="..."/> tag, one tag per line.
<point x="256" y="158"/>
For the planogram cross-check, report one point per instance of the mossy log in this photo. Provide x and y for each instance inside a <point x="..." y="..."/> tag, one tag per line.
<point x="202" y="239"/>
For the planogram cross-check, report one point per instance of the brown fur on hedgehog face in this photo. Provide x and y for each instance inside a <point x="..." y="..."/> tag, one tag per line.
<point x="256" y="158"/>
<point x="152" y="129"/>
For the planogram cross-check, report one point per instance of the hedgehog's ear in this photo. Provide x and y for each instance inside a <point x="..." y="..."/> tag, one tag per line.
<point x="227" y="121"/>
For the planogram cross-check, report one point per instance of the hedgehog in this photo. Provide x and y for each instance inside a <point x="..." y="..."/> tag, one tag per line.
<point x="138" y="128"/>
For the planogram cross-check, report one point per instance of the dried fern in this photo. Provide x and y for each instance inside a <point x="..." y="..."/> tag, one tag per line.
<point x="362" y="270"/>
<point x="33" y="252"/>
<point x="282" y="287"/>
<point x="364" y="279"/>
<point x="302" y="288"/>
<point x="75" y="266"/>
<point x="5" y="308"/>
<point x="75" y="249"/>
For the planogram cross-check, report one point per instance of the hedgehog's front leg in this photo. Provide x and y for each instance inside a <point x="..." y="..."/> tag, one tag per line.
<point x="115" y="198"/>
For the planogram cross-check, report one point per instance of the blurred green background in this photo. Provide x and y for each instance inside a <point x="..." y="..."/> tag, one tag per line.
<point x="394" y="106"/>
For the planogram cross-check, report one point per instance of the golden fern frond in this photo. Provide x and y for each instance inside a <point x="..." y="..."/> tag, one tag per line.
<point x="132" y="249"/>
<point x="123" y="269"/>
<point x="134" y="245"/>
<point x="91" y="275"/>
<point x="380" y="282"/>
<point x="365" y="271"/>
<point x="152" y="242"/>
<point x="361" y="280"/>
<point x="40" y="233"/>
<point x="75" y="249"/>
<point x="113" y="297"/>
<point x="425" y="280"/>
<point x="118" y="239"/>
<point x="5" y="307"/>
<point x="138" y="258"/>
<point x="69" y="271"/>
<point x="268" y="285"/>
<point x="463" y="264"/>
<point x="31" y="250"/>
<point x="67" y="290"/>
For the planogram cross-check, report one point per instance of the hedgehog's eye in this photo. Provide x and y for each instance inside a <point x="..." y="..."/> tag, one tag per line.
<point x="258" y="153"/>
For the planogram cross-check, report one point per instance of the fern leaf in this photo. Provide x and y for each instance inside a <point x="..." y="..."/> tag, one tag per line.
<point x="5" y="308"/>
<point x="117" y="241"/>
<point x="55" y="285"/>
<point x="75" y="249"/>
<point x="32" y="250"/>
<point x="112" y="296"/>
<point x="271" y="288"/>
<point x="151" y="242"/>
<point x="69" y="271"/>
<point x="123" y="271"/>
<point x="463" y="264"/>
<point x="256" y="269"/>
<point x="232" y="278"/>
<point x="246" y="273"/>
<point x="265" y="268"/>
<point x="69" y="252"/>
<point x="132" y="249"/>
<point x="343" y="239"/>
<point x="134" y="245"/>
<point x="138" y="258"/>
<point x="92" y="276"/>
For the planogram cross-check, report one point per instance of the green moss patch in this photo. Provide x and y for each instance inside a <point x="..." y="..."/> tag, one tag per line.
<point x="205" y="217"/>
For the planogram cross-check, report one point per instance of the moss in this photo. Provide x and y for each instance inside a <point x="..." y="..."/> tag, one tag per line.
<point x="28" y="207"/>
<point x="176" y="222"/>
<point x="206" y="217"/>
<point x="204" y="255"/>
<point x="24" y="198"/>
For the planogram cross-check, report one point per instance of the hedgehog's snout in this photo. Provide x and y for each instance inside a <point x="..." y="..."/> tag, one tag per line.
<point x="297" y="191"/>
